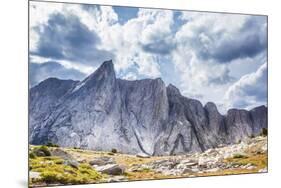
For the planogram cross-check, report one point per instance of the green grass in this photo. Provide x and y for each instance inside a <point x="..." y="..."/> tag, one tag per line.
<point x="39" y="149"/>
<point x="55" y="171"/>
<point x="50" y="144"/>
<point x="238" y="156"/>
<point x="145" y="170"/>
<point x="259" y="160"/>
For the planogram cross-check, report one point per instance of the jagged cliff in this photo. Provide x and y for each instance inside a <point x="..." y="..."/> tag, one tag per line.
<point x="142" y="116"/>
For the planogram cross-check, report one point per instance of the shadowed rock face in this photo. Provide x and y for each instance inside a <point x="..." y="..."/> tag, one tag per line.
<point x="141" y="116"/>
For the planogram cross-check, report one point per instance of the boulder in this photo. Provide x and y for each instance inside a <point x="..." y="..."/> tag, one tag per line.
<point x="101" y="161"/>
<point x="111" y="169"/>
<point x="263" y="170"/>
<point x="39" y="153"/>
<point x="61" y="153"/>
<point x="73" y="163"/>
<point x="142" y="155"/>
<point x="117" y="179"/>
<point x="34" y="175"/>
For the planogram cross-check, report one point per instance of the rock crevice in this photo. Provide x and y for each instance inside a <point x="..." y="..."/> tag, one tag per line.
<point x="103" y="112"/>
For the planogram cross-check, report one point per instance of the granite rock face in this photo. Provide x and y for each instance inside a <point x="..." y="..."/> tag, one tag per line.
<point x="142" y="116"/>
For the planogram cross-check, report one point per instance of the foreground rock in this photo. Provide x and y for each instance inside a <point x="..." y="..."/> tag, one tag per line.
<point x="100" y="161"/>
<point x="111" y="169"/>
<point x="34" y="175"/>
<point x="249" y="156"/>
<point x="210" y="161"/>
<point x="143" y="155"/>
<point x="61" y="153"/>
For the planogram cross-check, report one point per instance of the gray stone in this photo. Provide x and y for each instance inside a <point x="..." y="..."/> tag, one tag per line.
<point x="263" y="170"/>
<point x="39" y="153"/>
<point x="117" y="179"/>
<point x="73" y="163"/>
<point x="102" y="112"/>
<point x="142" y="155"/>
<point x="61" y="153"/>
<point x="34" y="175"/>
<point x="111" y="169"/>
<point x="212" y="170"/>
<point x="100" y="161"/>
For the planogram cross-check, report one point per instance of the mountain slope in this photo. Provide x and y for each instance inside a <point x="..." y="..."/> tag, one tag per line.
<point x="142" y="116"/>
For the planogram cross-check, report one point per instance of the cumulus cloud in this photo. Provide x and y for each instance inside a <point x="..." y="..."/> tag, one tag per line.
<point x="250" y="90"/>
<point x="207" y="47"/>
<point x="65" y="37"/>
<point x="201" y="53"/>
<point x="157" y="36"/>
<point x="223" y="38"/>
<point x="40" y="72"/>
<point x="131" y="46"/>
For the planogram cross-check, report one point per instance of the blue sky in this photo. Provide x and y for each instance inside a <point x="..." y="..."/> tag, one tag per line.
<point x="208" y="56"/>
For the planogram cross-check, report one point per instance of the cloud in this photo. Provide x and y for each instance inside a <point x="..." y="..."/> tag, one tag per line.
<point x="157" y="36"/>
<point x="65" y="37"/>
<point x="223" y="38"/>
<point x="250" y="90"/>
<point x="203" y="54"/>
<point x="160" y="46"/>
<point x="40" y="72"/>
<point x="131" y="46"/>
<point x="223" y="78"/>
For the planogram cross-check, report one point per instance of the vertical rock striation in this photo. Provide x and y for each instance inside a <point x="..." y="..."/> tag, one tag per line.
<point x="142" y="116"/>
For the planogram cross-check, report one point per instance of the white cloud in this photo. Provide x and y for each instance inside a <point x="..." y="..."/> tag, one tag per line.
<point x="39" y="14"/>
<point x="85" y="69"/>
<point x="249" y="91"/>
<point x="200" y="51"/>
<point x="223" y="37"/>
<point x="207" y="47"/>
<point x="126" y="41"/>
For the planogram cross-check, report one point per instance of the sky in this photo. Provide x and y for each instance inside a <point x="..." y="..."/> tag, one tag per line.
<point x="209" y="56"/>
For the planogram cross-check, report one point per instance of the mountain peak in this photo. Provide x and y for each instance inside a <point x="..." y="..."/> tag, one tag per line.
<point x="106" y="67"/>
<point x="107" y="64"/>
<point x="106" y="70"/>
<point x="173" y="89"/>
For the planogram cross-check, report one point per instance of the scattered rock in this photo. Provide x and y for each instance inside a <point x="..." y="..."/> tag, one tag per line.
<point x="111" y="169"/>
<point x="212" y="170"/>
<point x="187" y="170"/>
<point x="34" y="175"/>
<point x="61" y="153"/>
<point x="82" y="161"/>
<point x="101" y="161"/>
<point x="250" y="167"/>
<point x="117" y="179"/>
<point x="263" y="170"/>
<point x="73" y="163"/>
<point x="39" y="153"/>
<point x="142" y="155"/>
<point x="189" y="163"/>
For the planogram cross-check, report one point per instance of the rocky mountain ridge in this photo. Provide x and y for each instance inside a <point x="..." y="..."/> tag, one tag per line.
<point x="142" y="116"/>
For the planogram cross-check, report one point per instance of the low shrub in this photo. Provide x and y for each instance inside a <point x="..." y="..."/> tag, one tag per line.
<point x="114" y="150"/>
<point x="32" y="155"/>
<point x="43" y="149"/>
<point x="252" y="136"/>
<point x="239" y="156"/>
<point x="50" y="144"/>
<point x="54" y="171"/>
<point x="145" y="170"/>
<point x="264" y="132"/>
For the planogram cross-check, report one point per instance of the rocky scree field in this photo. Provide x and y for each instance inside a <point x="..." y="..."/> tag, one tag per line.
<point x="53" y="165"/>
